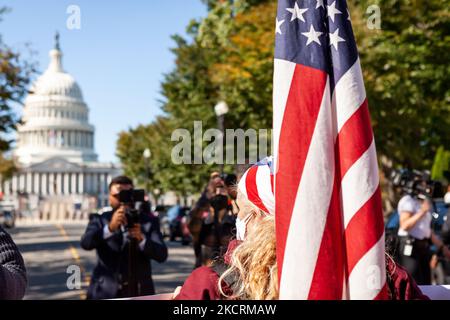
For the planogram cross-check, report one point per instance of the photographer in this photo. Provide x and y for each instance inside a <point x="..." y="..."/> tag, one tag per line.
<point x="198" y="213"/>
<point x="218" y="226"/>
<point x="416" y="235"/>
<point x="212" y="221"/>
<point x="116" y="239"/>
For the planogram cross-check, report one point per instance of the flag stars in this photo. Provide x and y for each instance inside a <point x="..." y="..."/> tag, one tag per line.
<point x="323" y="41"/>
<point x="332" y="11"/>
<point x="313" y="36"/>
<point x="319" y="4"/>
<point x="278" y="26"/>
<point x="297" y="12"/>
<point x="335" y="39"/>
<point x="349" y="18"/>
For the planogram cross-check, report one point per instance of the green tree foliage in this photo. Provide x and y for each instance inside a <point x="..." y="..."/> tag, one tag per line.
<point x="15" y="74"/>
<point x="130" y="149"/>
<point x="441" y="165"/>
<point x="190" y="96"/>
<point x="222" y="59"/>
<point x="164" y="174"/>
<point x="244" y="74"/>
<point x="406" y="67"/>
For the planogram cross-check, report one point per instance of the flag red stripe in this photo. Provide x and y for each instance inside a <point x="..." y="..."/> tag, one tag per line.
<point x="252" y="189"/>
<point x="364" y="230"/>
<point x="328" y="276"/>
<point x="272" y="183"/>
<point x="354" y="138"/>
<point x="299" y="120"/>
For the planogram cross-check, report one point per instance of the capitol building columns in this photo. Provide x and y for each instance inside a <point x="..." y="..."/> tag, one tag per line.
<point x="59" y="172"/>
<point x="62" y="183"/>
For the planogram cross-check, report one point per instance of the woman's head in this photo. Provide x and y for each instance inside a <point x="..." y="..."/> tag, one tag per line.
<point x="248" y="215"/>
<point x="254" y="263"/>
<point x="257" y="185"/>
<point x="255" y="197"/>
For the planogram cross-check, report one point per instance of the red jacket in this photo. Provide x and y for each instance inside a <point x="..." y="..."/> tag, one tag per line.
<point x="401" y="284"/>
<point x="202" y="284"/>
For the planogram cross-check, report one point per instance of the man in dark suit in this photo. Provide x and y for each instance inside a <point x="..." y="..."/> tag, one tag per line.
<point x="13" y="278"/>
<point x="107" y="232"/>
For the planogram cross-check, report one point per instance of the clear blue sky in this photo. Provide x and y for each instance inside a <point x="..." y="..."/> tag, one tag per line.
<point x="118" y="57"/>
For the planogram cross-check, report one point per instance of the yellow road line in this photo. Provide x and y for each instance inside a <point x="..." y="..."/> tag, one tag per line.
<point x="76" y="257"/>
<point x="75" y="254"/>
<point x="62" y="231"/>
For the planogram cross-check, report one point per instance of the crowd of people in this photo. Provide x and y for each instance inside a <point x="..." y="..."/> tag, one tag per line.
<point x="233" y="236"/>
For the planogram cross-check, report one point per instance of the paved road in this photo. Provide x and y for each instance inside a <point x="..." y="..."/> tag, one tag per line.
<point x="49" y="250"/>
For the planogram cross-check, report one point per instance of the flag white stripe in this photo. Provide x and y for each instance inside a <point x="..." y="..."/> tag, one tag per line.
<point x="311" y="208"/>
<point x="283" y="74"/>
<point x="242" y="185"/>
<point x="349" y="94"/>
<point x="359" y="183"/>
<point x="264" y="188"/>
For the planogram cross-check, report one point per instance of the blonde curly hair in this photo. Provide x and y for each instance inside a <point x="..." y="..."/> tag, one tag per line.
<point x="254" y="263"/>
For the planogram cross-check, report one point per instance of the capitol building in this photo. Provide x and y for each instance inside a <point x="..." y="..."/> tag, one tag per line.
<point x="58" y="169"/>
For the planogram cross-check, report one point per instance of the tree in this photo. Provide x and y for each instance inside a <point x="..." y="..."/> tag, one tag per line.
<point x="15" y="74"/>
<point x="190" y="96"/>
<point x="441" y="165"/>
<point x="244" y="74"/>
<point x="406" y="68"/>
<point x="130" y="150"/>
<point x="7" y="167"/>
<point x="223" y="58"/>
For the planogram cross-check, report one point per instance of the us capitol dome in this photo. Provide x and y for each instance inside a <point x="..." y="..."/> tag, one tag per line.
<point x="55" y="119"/>
<point x="55" y="150"/>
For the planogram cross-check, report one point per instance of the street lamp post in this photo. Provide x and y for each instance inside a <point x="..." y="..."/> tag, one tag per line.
<point x="156" y="193"/>
<point x="147" y="154"/>
<point x="221" y="109"/>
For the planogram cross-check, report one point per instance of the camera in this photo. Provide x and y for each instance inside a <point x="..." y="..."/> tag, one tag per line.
<point x="219" y="202"/>
<point x="417" y="183"/>
<point x="130" y="198"/>
<point x="222" y="191"/>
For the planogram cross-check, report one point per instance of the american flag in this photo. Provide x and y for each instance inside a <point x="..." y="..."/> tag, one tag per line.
<point x="330" y="230"/>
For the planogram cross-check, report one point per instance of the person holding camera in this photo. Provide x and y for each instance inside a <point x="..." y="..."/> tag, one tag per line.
<point x="211" y="221"/>
<point x="124" y="247"/>
<point x="218" y="226"/>
<point x="416" y="235"/>
<point x="199" y="212"/>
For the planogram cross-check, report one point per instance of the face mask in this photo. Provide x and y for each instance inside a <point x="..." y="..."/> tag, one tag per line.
<point x="241" y="227"/>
